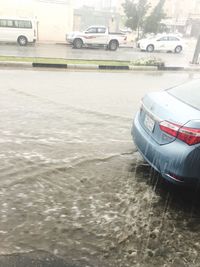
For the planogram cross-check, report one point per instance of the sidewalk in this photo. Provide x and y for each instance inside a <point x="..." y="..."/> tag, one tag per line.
<point x="98" y="67"/>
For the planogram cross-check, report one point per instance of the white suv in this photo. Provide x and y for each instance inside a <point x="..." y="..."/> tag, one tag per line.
<point x="161" y="43"/>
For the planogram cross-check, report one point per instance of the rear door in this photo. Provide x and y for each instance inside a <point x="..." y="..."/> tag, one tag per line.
<point x="173" y="42"/>
<point x="96" y="35"/>
<point x="102" y="36"/>
<point x="162" y="43"/>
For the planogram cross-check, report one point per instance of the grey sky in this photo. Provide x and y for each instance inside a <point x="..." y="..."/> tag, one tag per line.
<point x="95" y="3"/>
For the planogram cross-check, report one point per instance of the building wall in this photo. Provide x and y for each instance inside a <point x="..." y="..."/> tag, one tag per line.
<point x="87" y="16"/>
<point x="54" y="20"/>
<point x="55" y="17"/>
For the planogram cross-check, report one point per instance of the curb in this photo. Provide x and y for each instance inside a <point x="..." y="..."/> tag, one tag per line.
<point x="49" y="65"/>
<point x="172" y="68"/>
<point x="83" y="66"/>
<point x="12" y="64"/>
<point x="107" y="67"/>
<point x="192" y="69"/>
<point x="150" y="68"/>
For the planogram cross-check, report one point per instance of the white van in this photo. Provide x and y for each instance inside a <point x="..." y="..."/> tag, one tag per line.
<point x="20" y="30"/>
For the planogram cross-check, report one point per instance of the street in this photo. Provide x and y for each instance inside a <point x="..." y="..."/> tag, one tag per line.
<point x="71" y="180"/>
<point x="125" y="54"/>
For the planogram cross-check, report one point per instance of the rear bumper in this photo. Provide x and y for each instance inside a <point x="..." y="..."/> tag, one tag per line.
<point x="171" y="160"/>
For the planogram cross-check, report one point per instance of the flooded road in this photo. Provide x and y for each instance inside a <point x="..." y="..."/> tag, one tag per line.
<point x="71" y="181"/>
<point x="124" y="54"/>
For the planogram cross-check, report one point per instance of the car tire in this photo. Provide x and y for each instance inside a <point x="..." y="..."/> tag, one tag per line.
<point x="150" y="48"/>
<point x="178" y="49"/>
<point x="78" y="43"/>
<point x="113" y="45"/>
<point x="22" y="40"/>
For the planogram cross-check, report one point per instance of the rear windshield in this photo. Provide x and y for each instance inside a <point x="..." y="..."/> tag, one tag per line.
<point x="188" y="93"/>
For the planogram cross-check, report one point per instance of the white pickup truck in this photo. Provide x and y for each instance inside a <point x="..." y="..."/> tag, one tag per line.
<point x="96" y="36"/>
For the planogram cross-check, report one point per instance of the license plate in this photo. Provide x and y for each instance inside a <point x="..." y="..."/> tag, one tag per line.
<point x="149" y="123"/>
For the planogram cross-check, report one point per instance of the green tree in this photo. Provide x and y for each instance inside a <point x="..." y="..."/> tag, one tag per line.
<point x="135" y="12"/>
<point x="152" y="23"/>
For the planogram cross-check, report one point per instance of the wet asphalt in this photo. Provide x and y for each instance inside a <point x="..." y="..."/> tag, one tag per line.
<point x="123" y="53"/>
<point x="33" y="259"/>
<point x="74" y="191"/>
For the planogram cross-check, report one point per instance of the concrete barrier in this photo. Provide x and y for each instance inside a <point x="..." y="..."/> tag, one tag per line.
<point x="144" y="68"/>
<point x="83" y="66"/>
<point x="170" y="68"/>
<point x="106" y="67"/>
<point x="14" y="64"/>
<point x="49" y="65"/>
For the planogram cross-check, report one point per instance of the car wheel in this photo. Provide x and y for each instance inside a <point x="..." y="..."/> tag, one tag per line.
<point x="113" y="45"/>
<point x="150" y="48"/>
<point x="22" y="40"/>
<point x="178" y="49"/>
<point x="78" y="43"/>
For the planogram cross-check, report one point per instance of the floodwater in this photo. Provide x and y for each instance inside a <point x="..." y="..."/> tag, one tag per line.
<point x="71" y="181"/>
<point x="124" y="54"/>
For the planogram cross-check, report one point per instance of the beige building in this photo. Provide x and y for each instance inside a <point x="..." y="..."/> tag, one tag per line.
<point x="54" y="17"/>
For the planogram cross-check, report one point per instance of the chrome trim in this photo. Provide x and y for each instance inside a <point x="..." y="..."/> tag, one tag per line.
<point x="149" y="112"/>
<point x="171" y="177"/>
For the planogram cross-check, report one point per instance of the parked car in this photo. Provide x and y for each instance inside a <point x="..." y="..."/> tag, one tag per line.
<point x="161" y="43"/>
<point x="96" y="36"/>
<point x="20" y="30"/>
<point x="166" y="132"/>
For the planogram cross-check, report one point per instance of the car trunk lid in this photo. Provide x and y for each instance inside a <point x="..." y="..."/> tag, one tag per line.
<point x="160" y="110"/>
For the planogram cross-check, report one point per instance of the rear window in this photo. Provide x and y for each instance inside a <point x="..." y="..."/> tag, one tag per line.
<point x="171" y="38"/>
<point x="23" y="24"/>
<point x="6" y="23"/>
<point x="101" y="30"/>
<point x="189" y="93"/>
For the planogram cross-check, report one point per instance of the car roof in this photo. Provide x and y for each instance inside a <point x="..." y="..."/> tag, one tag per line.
<point x="96" y="26"/>
<point x="167" y="35"/>
<point x="17" y="18"/>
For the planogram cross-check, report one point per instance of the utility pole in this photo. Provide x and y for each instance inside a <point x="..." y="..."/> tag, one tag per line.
<point x="196" y="52"/>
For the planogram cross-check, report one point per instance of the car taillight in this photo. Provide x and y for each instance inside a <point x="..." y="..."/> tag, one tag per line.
<point x="190" y="136"/>
<point x="170" y="128"/>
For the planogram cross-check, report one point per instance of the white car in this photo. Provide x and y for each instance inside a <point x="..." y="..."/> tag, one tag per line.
<point x="161" y="43"/>
<point x="96" y="36"/>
